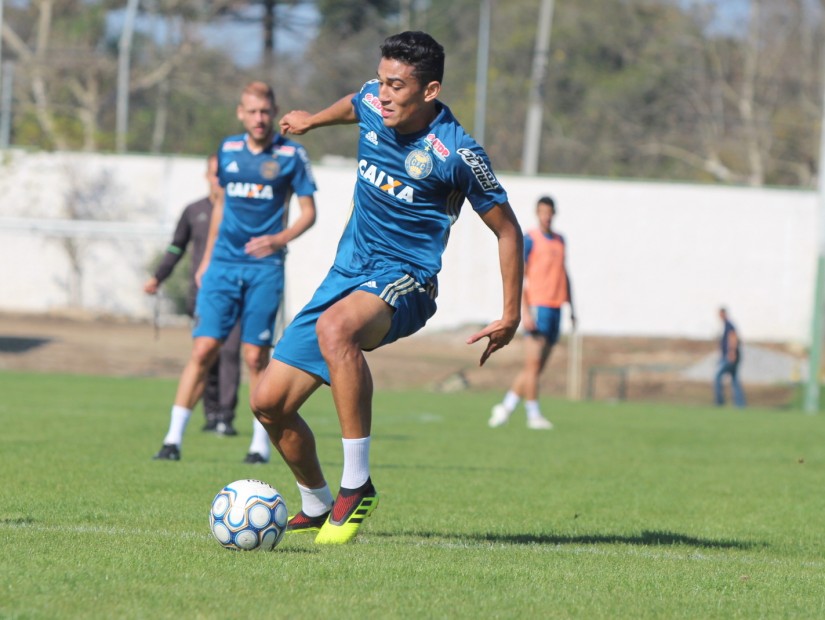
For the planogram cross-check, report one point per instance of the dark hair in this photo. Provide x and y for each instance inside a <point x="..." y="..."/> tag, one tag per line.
<point x="420" y="51"/>
<point x="546" y="200"/>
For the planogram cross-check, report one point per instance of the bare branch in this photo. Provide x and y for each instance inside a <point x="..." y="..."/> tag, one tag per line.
<point x="710" y="164"/>
<point x="162" y="71"/>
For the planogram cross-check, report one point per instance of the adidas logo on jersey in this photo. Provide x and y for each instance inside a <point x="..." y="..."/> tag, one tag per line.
<point x="265" y="335"/>
<point x="372" y="137"/>
<point x="232" y="167"/>
<point x="370" y="284"/>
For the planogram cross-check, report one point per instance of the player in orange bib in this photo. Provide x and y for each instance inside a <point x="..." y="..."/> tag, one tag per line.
<point x="546" y="289"/>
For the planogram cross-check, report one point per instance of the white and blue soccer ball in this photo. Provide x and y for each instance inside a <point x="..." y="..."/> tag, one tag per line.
<point x="249" y="515"/>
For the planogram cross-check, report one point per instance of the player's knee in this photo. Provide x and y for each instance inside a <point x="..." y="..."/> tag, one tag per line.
<point x="263" y="417"/>
<point x="333" y="335"/>
<point x="256" y="358"/>
<point x="205" y="352"/>
<point x="267" y="409"/>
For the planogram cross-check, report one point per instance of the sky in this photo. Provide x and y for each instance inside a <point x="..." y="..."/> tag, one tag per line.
<point x="299" y="25"/>
<point x="295" y="27"/>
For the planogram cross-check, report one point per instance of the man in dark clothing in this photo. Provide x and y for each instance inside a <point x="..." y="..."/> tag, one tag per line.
<point x="729" y="347"/>
<point x="220" y="395"/>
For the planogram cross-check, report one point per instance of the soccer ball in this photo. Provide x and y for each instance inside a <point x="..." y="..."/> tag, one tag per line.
<point x="248" y="515"/>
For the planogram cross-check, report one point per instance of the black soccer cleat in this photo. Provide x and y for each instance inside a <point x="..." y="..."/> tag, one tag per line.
<point x="226" y="429"/>
<point x="210" y="427"/>
<point x="168" y="452"/>
<point x="255" y="458"/>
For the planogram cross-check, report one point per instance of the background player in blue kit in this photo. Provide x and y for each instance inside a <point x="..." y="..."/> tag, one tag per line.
<point x="416" y="167"/>
<point x="242" y="271"/>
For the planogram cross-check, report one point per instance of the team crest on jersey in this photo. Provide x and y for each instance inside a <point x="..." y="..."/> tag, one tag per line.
<point x="481" y="171"/>
<point x="233" y="145"/>
<point x="373" y="103"/>
<point x="270" y="169"/>
<point x="385" y="182"/>
<point x="418" y="164"/>
<point x="249" y="190"/>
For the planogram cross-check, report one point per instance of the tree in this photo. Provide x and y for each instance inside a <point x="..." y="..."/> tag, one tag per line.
<point x="68" y="65"/>
<point x="635" y="88"/>
<point x="344" y="55"/>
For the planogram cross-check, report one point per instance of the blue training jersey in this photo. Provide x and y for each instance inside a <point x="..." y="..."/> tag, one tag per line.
<point x="410" y="190"/>
<point x="257" y="190"/>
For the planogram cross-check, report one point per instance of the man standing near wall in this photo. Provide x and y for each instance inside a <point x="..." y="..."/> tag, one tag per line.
<point x="242" y="271"/>
<point x="547" y="288"/>
<point x="730" y="356"/>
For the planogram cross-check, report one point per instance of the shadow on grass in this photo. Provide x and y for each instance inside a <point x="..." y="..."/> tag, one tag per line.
<point x="11" y="521"/>
<point x="18" y="344"/>
<point x="644" y="539"/>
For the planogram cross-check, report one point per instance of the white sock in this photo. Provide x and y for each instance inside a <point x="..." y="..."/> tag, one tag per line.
<point x="177" y="424"/>
<point x="315" y="502"/>
<point x="260" y="440"/>
<point x="533" y="410"/>
<point x="511" y="400"/>
<point x="356" y="462"/>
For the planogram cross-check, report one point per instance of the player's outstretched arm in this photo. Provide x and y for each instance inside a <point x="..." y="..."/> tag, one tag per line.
<point x="174" y="252"/>
<point x="502" y="221"/>
<point x="298" y="122"/>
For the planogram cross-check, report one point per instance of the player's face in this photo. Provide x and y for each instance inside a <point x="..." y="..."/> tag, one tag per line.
<point x="257" y="114"/>
<point x="407" y="104"/>
<point x="544" y="214"/>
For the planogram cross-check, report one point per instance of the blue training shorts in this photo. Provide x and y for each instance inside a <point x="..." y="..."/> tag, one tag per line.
<point x="547" y="322"/>
<point x="414" y="304"/>
<point x="249" y="292"/>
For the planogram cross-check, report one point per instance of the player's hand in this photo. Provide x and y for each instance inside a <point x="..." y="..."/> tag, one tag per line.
<point x="259" y="247"/>
<point x="500" y="333"/>
<point x="295" y="122"/>
<point x="150" y="287"/>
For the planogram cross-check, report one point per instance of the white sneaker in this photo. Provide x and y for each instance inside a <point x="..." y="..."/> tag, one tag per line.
<point x="499" y="417"/>
<point x="540" y="423"/>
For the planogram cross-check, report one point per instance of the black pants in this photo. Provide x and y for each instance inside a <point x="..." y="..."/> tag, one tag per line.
<point x="220" y="395"/>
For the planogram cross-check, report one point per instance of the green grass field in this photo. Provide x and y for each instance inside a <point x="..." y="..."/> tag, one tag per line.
<point x="622" y="511"/>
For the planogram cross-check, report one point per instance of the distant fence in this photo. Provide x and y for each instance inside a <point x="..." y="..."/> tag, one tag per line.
<point x="651" y="259"/>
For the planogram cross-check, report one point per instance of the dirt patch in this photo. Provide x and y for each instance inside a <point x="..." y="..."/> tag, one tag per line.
<point x="642" y="369"/>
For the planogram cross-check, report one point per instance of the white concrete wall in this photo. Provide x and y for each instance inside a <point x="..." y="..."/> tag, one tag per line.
<point x="645" y="258"/>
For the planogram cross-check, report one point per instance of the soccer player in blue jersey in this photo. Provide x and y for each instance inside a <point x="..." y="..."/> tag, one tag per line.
<point x="241" y="274"/>
<point x="416" y="167"/>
